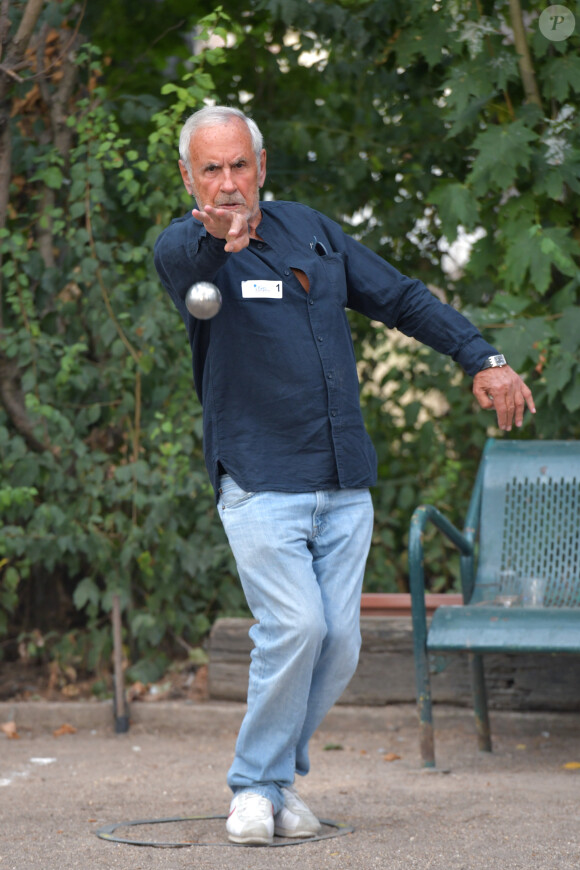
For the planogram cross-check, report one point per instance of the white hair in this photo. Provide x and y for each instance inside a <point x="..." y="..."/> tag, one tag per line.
<point x="210" y="116"/>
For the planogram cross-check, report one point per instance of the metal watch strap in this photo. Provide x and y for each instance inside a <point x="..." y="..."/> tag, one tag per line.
<point x="494" y="362"/>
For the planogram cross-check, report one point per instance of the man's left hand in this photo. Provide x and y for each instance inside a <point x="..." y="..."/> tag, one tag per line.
<point x="503" y="389"/>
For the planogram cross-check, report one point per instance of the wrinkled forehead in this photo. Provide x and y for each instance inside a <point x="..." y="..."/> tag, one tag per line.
<point x="231" y="138"/>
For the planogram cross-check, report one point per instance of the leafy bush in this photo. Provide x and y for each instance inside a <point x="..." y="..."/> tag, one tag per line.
<point x="104" y="488"/>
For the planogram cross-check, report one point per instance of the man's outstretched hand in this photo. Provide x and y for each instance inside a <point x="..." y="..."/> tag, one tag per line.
<point x="225" y="224"/>
<point x="502" y="389"/>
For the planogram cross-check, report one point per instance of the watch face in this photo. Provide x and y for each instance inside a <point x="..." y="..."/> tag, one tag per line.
<point x="494" y="362"/>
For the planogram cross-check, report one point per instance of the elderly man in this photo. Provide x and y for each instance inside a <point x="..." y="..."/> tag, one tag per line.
<point x="285" y="444"/>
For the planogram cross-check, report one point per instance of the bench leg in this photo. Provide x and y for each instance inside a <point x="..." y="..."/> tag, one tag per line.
<point x="480" y="704"/>
<point x="426" y="731"/>
<point x="424" y="707"/>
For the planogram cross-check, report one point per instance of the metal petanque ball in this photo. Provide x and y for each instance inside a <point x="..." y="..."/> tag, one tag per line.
<point x="203" y="300"/>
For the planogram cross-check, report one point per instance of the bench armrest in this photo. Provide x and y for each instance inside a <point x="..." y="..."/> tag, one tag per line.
<point x="420" y="518"/>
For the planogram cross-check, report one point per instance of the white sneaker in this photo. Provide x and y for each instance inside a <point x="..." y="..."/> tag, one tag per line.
<point x="251" y="819"/>
<point x="295" y="819"/>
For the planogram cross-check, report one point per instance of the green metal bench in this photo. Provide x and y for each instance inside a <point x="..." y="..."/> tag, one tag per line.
<point x="520" y="569"/>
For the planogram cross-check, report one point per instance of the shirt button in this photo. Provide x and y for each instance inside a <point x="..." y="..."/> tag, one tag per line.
<point x="320" y="338"/>
<point x="260" y="246"/>
<point x="311" y="301"/>
<point x="286" y="271"/>
<point x="329" y="377"/>
<point x="333" y="413"/>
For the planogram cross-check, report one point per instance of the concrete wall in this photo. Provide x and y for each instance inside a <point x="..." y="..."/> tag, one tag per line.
<point x="386" y="675"/>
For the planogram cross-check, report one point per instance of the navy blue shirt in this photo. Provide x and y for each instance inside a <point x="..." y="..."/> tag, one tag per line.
<point x="275" y="369"/>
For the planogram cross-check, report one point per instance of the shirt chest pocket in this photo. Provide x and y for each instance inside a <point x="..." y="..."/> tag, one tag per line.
<point x="333" y="276"/>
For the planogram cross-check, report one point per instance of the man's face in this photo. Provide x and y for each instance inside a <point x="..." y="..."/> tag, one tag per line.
<point x="224" y="171"/>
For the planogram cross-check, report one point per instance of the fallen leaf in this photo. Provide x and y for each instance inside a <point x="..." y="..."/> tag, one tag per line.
<point x="64" y="729"/>
<point x="332" y="746"/>
<point x="9" y="729"/>
<point x="391" y="756"/>
<point x="571" y="765"/>
<point x="521" y="746"/>
<point x="137" y="691"/>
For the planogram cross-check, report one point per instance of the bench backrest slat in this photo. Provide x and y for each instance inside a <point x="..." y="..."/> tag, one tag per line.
<point x="530" y="520"/>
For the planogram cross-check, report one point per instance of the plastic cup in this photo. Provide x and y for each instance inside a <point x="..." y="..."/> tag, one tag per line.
<point x="533" y="589"/>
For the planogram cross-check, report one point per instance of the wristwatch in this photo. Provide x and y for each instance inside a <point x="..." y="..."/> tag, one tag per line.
<point x="494" y="362"/>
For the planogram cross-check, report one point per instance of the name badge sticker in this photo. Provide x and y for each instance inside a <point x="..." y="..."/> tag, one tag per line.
<point x="262" y="289"/>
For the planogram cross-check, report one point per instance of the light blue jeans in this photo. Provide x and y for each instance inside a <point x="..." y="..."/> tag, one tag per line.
<point x="301" y="560"/>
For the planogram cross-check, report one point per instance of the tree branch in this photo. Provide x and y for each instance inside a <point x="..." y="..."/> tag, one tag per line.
<point x="11" y="394"/>
<point x="4" y="25"/>
<point x="26" y="28"/>
<point x="62" y="134"/>
<point x="133" y="352"/>
<point x="16" y="51"/>
<point x="10" y="72"/>
<point x="524" y="60"/>
<point x="56" y="103"/>
<point x="12" y="398"/>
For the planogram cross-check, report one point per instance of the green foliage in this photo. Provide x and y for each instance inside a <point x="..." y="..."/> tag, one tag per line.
<point x="103" y="490"/>
<point x="407" y="122"/>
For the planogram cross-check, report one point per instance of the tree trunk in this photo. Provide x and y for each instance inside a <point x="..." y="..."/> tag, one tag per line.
<point x="15" y="58"/>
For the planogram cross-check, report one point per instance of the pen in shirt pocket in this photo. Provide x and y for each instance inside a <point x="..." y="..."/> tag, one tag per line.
<point x="318" y="247"/>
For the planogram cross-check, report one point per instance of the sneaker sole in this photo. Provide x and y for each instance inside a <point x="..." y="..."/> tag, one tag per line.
<point x="251" y="841"/>
<point x="293" y="833"/>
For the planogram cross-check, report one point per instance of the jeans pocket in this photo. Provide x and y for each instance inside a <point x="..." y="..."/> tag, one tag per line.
<point x="230" y="494"/>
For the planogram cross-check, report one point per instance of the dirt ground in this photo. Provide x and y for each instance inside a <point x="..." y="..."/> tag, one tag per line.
<point x="516" y="808"/>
